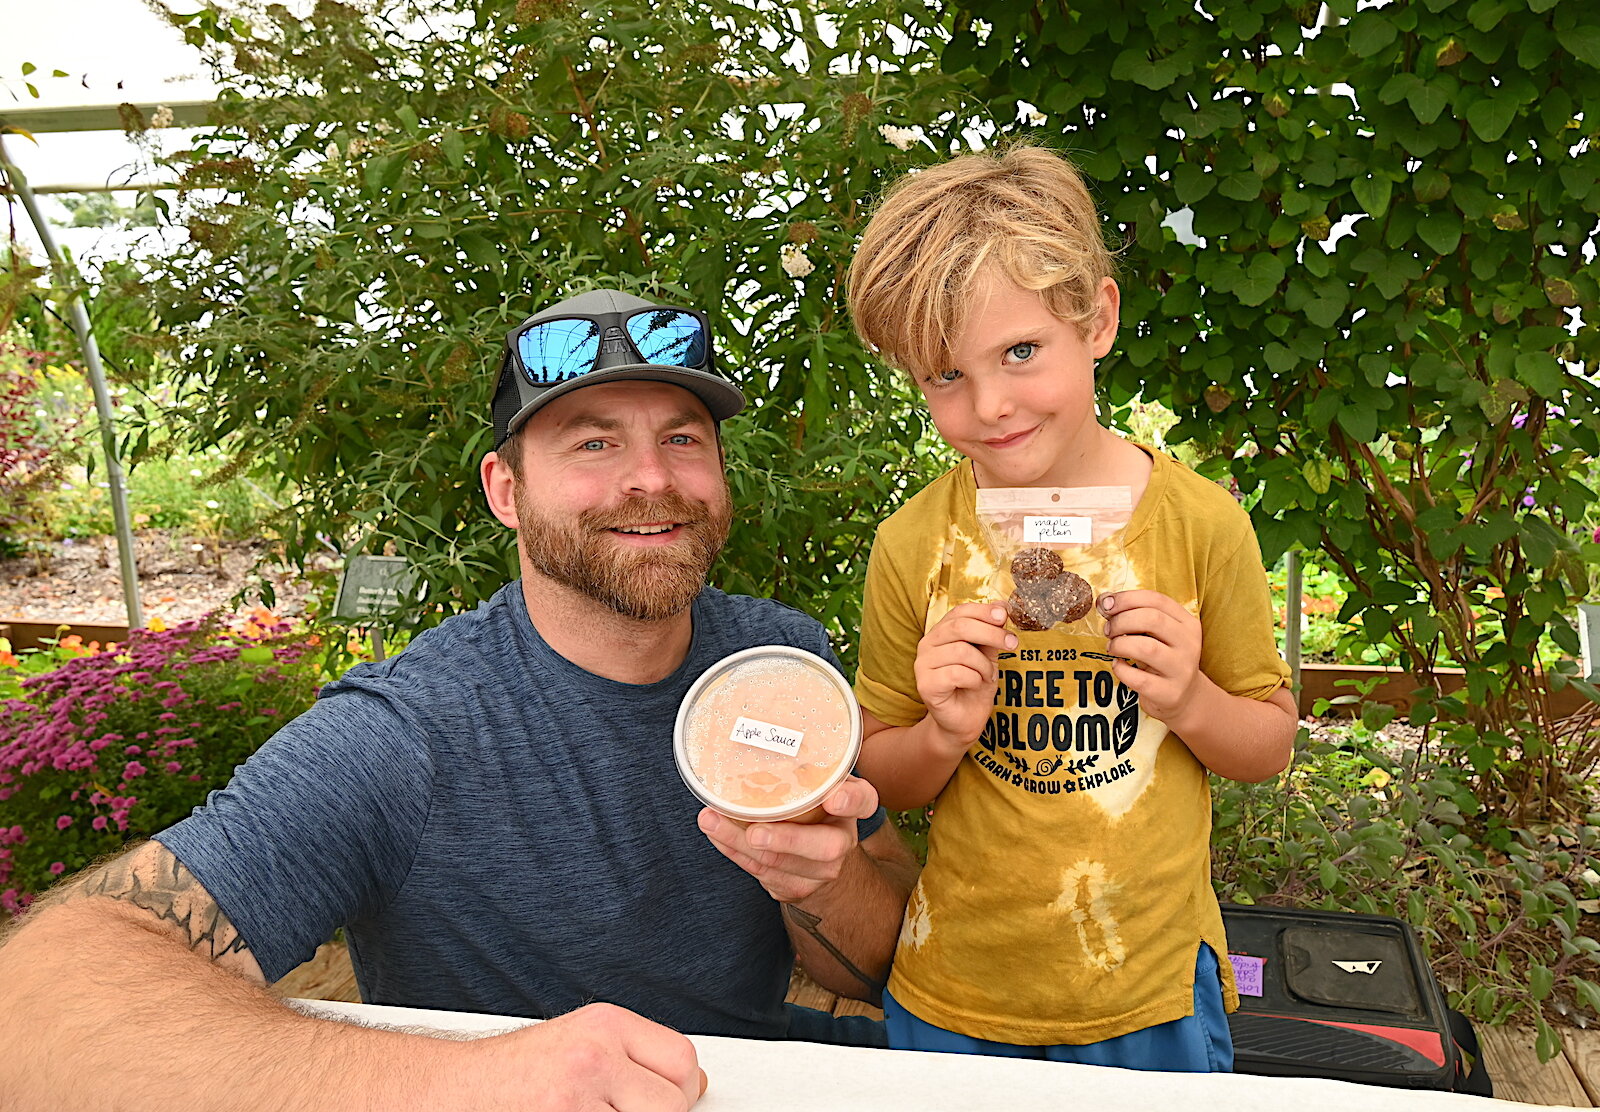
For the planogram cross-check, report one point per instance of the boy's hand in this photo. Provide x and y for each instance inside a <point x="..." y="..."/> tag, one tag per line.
<point x="957" y="669"/>
<point x="1163" y="639"/>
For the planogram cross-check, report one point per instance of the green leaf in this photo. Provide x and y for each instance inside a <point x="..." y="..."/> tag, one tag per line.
<point x="478" y="248"/>
<point x="1318" y="474"/>
<point x="1190" y="182"/>
<point x="1427" y="100"/>
<point x="1441" y="231"/>
<point x="455" y="148"/>
<point x="1369" y="34"/>
<point x="1584" y="43"/>
<point x="1588" y="992"/>
<point x="1540" y="981"/>
<point x="1492" y="117"/>
<point x="27" y="68"/>
<point x="1360" y="421"/>
<point x="1372" y="194"/>
<point x="1260" y="280"/>
<point x="1541" y="371"/>
<point x="255" y="654"/>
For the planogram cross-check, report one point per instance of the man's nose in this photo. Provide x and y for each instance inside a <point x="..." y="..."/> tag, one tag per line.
<point x="649" y="470"/>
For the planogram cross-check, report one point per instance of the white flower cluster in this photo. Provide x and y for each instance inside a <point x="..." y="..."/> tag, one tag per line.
<point x="901" y="138"/>
<point x="161" y="117"/>
<point x="795" y="263"/>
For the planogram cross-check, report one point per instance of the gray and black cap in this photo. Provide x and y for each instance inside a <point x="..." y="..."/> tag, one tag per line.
<point x="520" y="392"/>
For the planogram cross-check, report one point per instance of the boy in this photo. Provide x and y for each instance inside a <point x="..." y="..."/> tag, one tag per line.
<point x="1064" y="913"/>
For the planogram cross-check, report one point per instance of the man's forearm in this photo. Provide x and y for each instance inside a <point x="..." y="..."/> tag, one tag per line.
<point x="845" y="933"/>
<point x="98" y="1010"/>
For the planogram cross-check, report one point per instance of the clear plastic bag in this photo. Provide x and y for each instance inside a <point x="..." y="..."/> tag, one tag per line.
<point x="1057" y="550"/>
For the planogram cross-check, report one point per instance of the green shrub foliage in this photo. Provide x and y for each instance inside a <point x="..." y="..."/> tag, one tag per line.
<point x="399" y="188"/>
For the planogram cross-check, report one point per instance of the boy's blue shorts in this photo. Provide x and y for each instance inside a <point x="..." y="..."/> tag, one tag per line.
<point x="1199" y="1043"/>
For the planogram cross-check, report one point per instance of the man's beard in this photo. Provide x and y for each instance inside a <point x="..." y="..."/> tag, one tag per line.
<point x="646" y="584"/>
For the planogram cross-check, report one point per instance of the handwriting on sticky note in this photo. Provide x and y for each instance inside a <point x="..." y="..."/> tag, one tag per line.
<point x="1247" y="973"/>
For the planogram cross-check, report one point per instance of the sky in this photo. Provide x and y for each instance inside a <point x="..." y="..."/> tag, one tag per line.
<point x="100" y="44"/>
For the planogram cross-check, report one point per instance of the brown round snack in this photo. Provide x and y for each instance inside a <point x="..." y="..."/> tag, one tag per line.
<point x="1072" y="596"/>
<point x="1035" y="563"/>
<point x="1028" y="612"/>
<point x="1034" y="606"/>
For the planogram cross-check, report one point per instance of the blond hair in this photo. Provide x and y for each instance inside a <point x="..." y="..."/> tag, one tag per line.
<point x="1023" y="210"/>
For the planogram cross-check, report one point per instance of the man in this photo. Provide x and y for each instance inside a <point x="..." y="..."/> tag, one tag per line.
<point x="493" y="815"/>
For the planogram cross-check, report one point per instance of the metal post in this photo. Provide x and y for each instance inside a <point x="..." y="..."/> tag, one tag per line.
<point x="1292" y="617"/>
<point x="79" y="316"/>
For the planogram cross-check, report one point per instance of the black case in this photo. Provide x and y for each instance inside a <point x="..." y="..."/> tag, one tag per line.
<point x="1348" y="997"/>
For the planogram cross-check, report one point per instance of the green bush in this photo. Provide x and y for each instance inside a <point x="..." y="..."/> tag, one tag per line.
<point x="108" y="746"/>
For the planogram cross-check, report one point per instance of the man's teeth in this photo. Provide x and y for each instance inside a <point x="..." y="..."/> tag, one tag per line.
<point x="645" y="530"/>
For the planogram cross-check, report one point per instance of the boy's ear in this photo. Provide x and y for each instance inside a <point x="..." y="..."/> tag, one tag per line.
<point x="1104" y="335"/>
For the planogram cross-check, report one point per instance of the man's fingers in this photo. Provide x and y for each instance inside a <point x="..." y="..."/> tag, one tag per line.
<point x="854" y="798"/>
<point x="671" y="1076"/>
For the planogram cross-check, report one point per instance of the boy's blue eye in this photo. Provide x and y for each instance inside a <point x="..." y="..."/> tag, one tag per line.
<point x="1023" y="351"/>
<point x="944" y="377"/>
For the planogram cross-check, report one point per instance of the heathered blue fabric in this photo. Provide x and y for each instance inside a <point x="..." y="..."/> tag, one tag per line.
<point x="498" y="830"/>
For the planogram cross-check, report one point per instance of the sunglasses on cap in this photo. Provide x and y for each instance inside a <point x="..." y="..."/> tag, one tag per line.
<point x="550" y="352"/>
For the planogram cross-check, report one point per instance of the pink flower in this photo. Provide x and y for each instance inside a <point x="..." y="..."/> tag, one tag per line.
<point x="134" y="770"/>
<point x="174" y="766"/>
<point x="63" y="822"/>
<point x="133" y="750"/>
<point x="57" y="868"/>
<point x="99" y="822"/>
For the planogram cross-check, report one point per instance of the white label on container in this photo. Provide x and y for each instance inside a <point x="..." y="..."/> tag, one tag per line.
<point x="764" y="735"/>
<point x="1059" y="530"/>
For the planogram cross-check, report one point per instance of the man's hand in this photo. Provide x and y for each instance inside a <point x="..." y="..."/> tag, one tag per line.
<point x="1163" y="640"/>
<point x="792" y="860"/>
<point x="957" y="668"/>
<point x="598" y="1057"/>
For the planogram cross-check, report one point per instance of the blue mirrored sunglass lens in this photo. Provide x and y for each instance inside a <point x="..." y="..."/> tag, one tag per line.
<point x="557" y="350"/>
<point x="669" y="337"/>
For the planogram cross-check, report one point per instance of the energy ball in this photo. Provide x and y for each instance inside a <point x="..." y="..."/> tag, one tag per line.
<point x="1072" y="596"/>
<point x="1032" y="564"/>
<point x="1031" y="610"/>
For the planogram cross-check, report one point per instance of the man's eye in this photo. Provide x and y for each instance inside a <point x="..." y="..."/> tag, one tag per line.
<point x="1021" y="353"/>
<point x="593" y="445"/>
<point x="680" y="438"/>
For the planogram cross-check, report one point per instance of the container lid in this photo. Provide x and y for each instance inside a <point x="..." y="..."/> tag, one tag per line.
<point x="767" y="733"/>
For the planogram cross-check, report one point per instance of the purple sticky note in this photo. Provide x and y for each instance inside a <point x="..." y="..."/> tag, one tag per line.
<point x="1247" y="973"/>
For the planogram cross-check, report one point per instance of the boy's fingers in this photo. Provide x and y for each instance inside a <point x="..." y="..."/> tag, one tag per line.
<point x="1149" y="622"/>
<point x="1149" y="653"/>
<point x="1120" y="602"/>
<point x="973" y="631"/>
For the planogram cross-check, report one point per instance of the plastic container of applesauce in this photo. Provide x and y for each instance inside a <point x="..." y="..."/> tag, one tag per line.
<point x="765" y="734"/>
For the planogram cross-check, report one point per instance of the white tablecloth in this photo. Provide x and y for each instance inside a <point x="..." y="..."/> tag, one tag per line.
<point x="749" y="1075"/>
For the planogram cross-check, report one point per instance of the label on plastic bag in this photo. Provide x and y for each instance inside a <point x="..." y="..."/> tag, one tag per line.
<point x="1057" y="530"/>
<point x="765" y="735"/>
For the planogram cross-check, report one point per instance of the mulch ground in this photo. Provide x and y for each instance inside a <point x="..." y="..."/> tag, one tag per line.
<point x="180" y="577"/>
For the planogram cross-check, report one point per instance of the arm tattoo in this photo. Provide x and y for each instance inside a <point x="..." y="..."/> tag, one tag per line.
<point x="811" y="925"/>
<point x="162" y="885"/>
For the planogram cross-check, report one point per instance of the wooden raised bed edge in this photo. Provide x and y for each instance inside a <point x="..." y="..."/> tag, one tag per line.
<point x="1317" y="681"/>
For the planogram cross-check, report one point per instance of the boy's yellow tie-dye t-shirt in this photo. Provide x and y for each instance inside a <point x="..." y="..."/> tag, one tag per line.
<point x="1068" y="883"/>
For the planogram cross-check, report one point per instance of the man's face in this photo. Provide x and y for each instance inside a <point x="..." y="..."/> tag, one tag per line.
<point x="623" y="496"/>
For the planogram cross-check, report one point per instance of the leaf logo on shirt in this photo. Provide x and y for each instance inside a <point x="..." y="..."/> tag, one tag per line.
<point x="1125" y="727"/>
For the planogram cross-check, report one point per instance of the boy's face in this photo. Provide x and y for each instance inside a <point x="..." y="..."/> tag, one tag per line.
<point x="1019" y="398"/>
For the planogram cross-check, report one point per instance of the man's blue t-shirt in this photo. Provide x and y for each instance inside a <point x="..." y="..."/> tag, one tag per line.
<point x="498" y="830"/>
